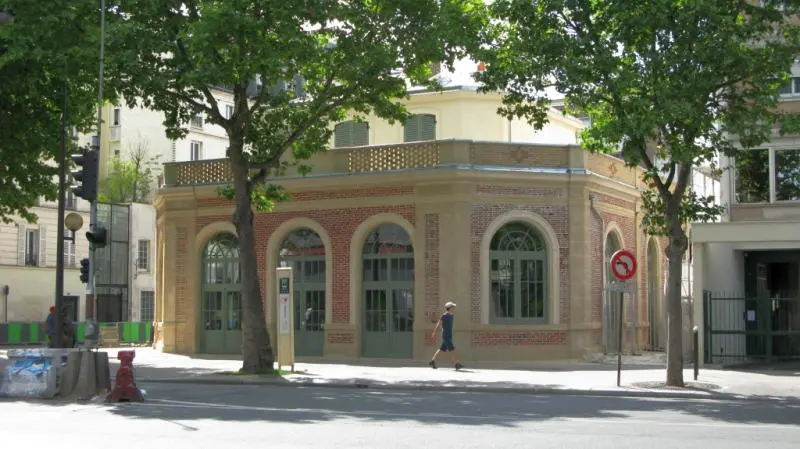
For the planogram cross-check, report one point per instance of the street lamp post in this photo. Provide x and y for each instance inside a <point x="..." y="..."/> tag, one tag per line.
<point x="62" y="185"/>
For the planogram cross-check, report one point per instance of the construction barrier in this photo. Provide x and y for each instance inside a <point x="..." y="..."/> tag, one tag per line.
<point x="124" y="333"/>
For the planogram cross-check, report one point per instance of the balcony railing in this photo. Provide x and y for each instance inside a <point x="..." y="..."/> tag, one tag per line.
<point x="420" y="156"/>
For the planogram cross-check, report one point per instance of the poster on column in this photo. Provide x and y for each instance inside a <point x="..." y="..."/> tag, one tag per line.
<point x="284" y="311"/>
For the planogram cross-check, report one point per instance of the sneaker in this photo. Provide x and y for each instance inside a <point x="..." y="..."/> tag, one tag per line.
<point x="432" y="364"/>
<point x="459" y="366"/>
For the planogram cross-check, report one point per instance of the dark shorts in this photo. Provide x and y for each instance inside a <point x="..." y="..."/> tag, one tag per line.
<point x="447" y="345"/>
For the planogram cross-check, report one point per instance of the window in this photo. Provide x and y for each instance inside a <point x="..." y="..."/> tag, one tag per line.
<point x="228" y="111"/>
<point x="197" y="121"/>
<point x="420" y="127"/>
<point x="752" y="176"/>
<point x="518" y="264"/>
<point x="70" y="255"/>
<point x="147" y="311"/>
<point x="143" y="259"/>
<point x="32" y="248"/>
<point x="767" y="175"/>
<point x="791" y="87"/>
<point x="196" y="150"/>
<point x="116" y="119"/>
<point x="71" y="202"/>
<point x="787" y="175"/>
<point x="351" y="134"/>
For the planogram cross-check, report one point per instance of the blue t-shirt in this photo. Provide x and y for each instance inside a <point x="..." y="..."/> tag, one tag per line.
<point x="447" y="326"/>
<point x="51" y="324"/>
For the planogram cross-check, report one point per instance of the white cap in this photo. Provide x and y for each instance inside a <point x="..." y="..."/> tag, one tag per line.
<point x="449" y="305"/>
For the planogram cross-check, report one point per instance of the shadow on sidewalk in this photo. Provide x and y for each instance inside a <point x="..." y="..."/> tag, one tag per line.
<point x="312" y="405"/>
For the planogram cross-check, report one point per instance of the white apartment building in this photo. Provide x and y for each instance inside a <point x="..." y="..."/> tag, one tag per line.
<point x="28" y="264"/>
<point x="747" y="267"/>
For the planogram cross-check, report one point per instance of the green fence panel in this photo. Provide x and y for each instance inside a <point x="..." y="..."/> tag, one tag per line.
<point x="148" y="332"/>
<point x="136" y="332"/>
<point x="80" y="332"/>
<point x="33" y="333"/>
<point x="14" y="333"/>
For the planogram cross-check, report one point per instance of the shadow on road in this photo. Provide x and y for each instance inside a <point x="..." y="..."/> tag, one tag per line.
<point x="311" y="405"/>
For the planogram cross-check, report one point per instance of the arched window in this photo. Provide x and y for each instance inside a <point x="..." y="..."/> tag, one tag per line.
<point x="351" y="134"/>
<point x="420" y="127"/>
<point x="304" y="251"/>
<point x="388" y="289"/>
<point x="221" y="307"/>
<point x="518" y="274"/>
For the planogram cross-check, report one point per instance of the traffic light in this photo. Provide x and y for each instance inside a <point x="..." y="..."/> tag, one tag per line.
<point x="86" y="176"/>
<point x="97" y="236"/>
<point x="85" y="270"/>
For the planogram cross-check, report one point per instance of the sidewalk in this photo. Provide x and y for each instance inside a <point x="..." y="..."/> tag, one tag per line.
<point x="575" y="378"/>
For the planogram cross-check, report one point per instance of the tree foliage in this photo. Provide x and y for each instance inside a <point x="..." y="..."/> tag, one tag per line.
<point x="47" y="47"/>
<point x="312" y="61"/>
<point x="130" y="179"/>
<point x="670" y="83"/>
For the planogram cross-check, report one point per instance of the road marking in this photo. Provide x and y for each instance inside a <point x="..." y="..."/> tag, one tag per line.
<point x="496" y="417"/>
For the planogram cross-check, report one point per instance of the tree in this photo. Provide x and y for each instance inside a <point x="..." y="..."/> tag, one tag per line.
<point x="672" y="83"/>
<point x="294" y="69"/>
<point x="131" y="179"/>
<point x="47" y="50"/>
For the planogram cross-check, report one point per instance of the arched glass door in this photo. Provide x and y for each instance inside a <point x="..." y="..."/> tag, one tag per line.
<point x="304" y="251"/>
<point x="221" y="307"/>
<point x="388" y="293"/>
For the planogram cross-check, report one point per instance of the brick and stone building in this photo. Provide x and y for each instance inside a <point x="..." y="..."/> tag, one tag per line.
<point x="457" y="205"/>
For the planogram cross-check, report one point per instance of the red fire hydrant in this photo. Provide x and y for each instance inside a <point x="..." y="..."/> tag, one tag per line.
<point x="125" y="389"/>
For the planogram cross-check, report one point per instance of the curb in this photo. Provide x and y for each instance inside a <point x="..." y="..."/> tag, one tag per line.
<point x="633" y="393"/>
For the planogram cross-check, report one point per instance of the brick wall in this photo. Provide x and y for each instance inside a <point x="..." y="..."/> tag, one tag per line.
<point x="182" y="264"/>
<point x="556" y="216"/>
<point x="432" y="306"/>
<point x="340" y="224"/>
<point x="524" y="338"/>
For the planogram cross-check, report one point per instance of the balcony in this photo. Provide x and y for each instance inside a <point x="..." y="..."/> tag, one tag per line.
<point x="430" y="155"/>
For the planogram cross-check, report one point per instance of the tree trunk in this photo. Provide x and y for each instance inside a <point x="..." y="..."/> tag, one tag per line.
<point x="678" y="244"/>
<point x="257" y="355"/>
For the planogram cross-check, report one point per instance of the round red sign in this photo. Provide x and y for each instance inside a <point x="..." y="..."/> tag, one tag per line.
<point x="623" y="265"/>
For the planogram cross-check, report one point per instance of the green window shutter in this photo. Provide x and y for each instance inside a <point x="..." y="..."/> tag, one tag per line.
<point x="411" y="129"/>
<point x="427" y="127"/>
<point x="343" y="135"/>
<point x="360" y="134"/>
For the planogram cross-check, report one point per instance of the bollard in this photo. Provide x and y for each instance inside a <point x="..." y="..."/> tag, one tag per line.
<point x="696" y="344"/>
<point x="125" y="389"/>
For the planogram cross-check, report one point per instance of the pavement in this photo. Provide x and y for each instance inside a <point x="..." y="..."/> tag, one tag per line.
<point x="193" y="415"/>
<point x="641" y="377"/>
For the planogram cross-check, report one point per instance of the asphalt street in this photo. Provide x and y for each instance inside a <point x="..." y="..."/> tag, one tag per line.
<point x="202" y="416"/>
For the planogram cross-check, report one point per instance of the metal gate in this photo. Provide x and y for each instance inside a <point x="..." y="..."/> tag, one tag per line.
<point x="743" y="329"/>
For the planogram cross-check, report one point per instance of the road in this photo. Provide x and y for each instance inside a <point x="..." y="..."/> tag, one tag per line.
<point x="202" y="416"/>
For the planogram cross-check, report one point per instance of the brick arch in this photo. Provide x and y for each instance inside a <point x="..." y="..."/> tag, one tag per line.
<point x="208" y="232"/>
<point x="553" y="260"/>
<point x="196" y="291"/>
<point x="612" y="228"/>
<point x="273" y="246"/>
<point x="356" y="264"/>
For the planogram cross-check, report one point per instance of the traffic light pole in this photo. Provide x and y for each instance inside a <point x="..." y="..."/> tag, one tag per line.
<point x="90" y="287"/>
<point x="58" y="323"/>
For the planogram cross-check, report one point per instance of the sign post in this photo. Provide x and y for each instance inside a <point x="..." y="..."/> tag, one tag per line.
<point x="623" y="267"/>
<point x="285" y="308"/>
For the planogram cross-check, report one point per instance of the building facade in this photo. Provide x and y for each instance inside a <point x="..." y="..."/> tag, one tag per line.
<point x="28" y="264"/>
<point x="457" y="204"/>
<point x="747" y="268"/>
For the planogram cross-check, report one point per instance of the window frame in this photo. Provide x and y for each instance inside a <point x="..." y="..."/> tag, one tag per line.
<point x="152" y="308"/>
<point x="771" y="176"/>
<point x="198" y="145"/>
<point x="143" y="243"/>
<point x="417" y="120"/>
<point x="541" y="256"/>
<point x="197" y="121"/>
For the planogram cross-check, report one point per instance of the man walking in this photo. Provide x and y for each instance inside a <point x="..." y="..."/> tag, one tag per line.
<point x="446" y="324"/>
